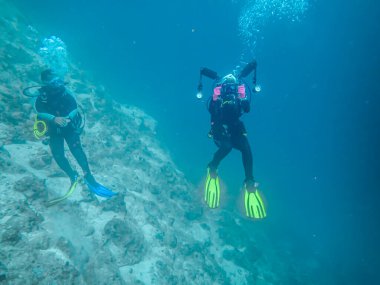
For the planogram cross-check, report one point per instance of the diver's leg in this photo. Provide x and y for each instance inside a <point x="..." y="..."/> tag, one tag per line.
<point x="57" y="150"/>
<point x="240" y="141"/>
<point x="247" y="158"/>
<point x="73" y="141"/>
<point x="245" y="149"/>
<point x="253" y="202"/>
<point x="225" y="148"/>
<point x="75" y="146"/>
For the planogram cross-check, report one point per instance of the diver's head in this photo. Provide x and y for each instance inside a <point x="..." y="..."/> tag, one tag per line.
<point x="47" y="76"/>
<point x="229" y="78"/>
<point x="229" y="84"/>
<point x="51" y="79"/>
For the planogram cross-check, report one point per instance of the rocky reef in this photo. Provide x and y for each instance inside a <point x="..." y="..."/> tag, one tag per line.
<point x="154" y="231"/>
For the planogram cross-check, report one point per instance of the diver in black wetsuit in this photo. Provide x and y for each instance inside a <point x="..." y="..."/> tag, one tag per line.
<point x="227" y="104"/>
<point x="59" y="109"/>
<point x="227" y="130"/>
<point x="57" y="113"/>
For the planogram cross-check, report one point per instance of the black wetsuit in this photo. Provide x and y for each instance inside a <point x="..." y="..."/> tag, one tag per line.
<point x="58" y="102"/>
<point x="228" y="131"/>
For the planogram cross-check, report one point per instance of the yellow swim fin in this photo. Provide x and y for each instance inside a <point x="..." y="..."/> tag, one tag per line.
<point x="212" y="189"/>
<point x="254" y="205"/>
<point x="64" y="197"/>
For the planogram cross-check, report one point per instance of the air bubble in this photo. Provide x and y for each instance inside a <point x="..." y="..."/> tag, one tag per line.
<point x="257" y="13"/>
<point x="53" y="53"/>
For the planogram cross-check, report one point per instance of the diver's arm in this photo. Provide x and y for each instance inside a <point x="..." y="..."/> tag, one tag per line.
<point x="46" y="116"/>
<point x="72" y="114"/>
<point x="245" y="105"/>
<point x="213" y="118"/>
<point x="213" y="105"/>
<point x="244" y="102"/>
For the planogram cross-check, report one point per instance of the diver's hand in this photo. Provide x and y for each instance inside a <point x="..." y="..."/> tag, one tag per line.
<point x="61" y="121"/>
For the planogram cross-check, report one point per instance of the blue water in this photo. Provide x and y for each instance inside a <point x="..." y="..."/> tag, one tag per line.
<point x="314" y="129"/>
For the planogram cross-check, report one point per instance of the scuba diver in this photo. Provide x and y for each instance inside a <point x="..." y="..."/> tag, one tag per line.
<point x="59" y="117"/>
<point x="227" y="104"/>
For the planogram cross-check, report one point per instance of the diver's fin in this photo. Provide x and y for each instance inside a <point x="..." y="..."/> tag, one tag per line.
<point x="64" y="197"/>
<point x="99" y="189"/>
<point x="254" y="205"/>
<point x="212" y="189"/>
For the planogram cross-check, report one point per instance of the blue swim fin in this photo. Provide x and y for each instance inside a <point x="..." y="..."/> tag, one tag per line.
<point x="99" y="189"/>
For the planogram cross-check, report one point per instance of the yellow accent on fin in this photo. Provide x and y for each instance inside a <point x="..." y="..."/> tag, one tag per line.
<point x="254" y="205"/>
<point x="64" y="197"/>
<point x="212" y="191"/>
